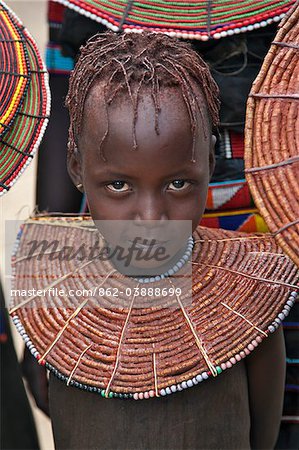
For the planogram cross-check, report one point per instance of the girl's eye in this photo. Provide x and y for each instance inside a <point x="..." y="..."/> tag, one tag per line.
<point x="118" y="186"/>
<point x="178" y="185"/>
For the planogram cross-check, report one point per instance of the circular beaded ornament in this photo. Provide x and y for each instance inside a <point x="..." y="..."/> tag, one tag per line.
<point x="134" y="346"/>
<point x="201" y="20"/>
<point x="24" y="98"/>
<point x="271" y="137"/>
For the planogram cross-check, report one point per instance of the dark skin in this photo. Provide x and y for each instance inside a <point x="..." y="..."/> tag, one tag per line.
<point x="159" y="182"/>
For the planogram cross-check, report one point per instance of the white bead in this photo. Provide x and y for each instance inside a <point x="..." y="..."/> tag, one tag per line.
<point x="179" y="387"/>
<point x="276" y="19"/>
<point x="199" y="378"/>
<point x="194" y="380"/>
<point x="256" y="26"/>
<point x="217" y="36"/>
<point x="278" y="321"/>
<point x="173" y="388"/>
<point x="230" y="32"/>
<point x="263" y="23"/>
<point x="290" y="303"/>
<point x="205" y="375"/>
<point x="168" y="390"/>
<point x="243" y="29"/>
<point x="237" y="30"/>
<point x="184" y="384"/>
<point x="223" y="34"/>
<point x="281" y="316"/>
<point x="163" y="392"/>
<point x="185" y="36"/>
<point x="285" y="312"/>
<point x="204" y="37"/>
<point x="189" y="383"/>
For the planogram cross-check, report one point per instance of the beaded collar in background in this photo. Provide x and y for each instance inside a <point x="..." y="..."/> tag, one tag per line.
<point x="212" y="22"/>
<point x="24" y="98"/>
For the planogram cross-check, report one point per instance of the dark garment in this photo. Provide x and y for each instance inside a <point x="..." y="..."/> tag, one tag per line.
<point x="211" y="415"/>
<point x="17" y="424"/>
<point x="55" y="190"/>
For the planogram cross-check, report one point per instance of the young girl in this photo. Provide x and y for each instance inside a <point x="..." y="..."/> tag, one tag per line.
<point x="144" y="115"/>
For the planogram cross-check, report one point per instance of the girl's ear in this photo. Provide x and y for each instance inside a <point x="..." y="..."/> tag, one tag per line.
<point x="212" y="155"/>
<point x="74" y="167"/>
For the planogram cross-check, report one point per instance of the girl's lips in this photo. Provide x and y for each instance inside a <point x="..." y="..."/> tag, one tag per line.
<point x="147" y="243"/>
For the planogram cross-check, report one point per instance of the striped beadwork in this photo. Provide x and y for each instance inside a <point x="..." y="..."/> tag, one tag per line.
<point x="25" y="98"/>
<point x="190" y="20"/>
<point x="271" y="137"/>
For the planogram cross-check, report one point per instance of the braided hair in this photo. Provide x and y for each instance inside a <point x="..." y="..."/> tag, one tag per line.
<point x="126" y="63"/>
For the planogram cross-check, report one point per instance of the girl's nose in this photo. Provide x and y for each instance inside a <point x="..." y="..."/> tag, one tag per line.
<point x="150" y="207"/>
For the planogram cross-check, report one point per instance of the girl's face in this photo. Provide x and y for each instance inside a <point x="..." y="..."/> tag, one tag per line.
<point x="158" y="181"/>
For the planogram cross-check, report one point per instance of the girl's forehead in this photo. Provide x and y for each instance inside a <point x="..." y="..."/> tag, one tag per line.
<point x="168" y="110"/>
<point x="134" y="124"/>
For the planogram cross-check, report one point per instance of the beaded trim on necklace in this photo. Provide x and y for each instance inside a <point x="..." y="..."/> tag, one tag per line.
<point x="170" y="389"/>
<point x="177" y="266"/>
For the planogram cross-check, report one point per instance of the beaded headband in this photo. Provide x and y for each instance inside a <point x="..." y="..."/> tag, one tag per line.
<point x="271" y="137"/>
<point x="25" y="98"/>
<point x="243" y="286"/>
<point x="201" y="20"/>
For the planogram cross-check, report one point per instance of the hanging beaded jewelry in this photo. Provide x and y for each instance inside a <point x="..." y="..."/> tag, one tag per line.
<point x="178" y="265"/>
